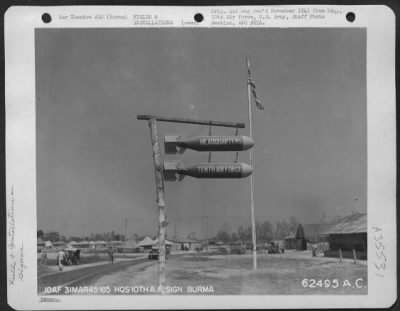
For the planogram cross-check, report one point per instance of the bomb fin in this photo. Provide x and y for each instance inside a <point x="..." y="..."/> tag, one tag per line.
<point x="171" y="170"/>
<point x="180" y="149"/>
<point x="171" y="143"/>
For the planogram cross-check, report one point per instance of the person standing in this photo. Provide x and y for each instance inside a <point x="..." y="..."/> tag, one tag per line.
<point x="314" y="250"/>
<point x="61" y="257"/>
<point x="112" y="255"/>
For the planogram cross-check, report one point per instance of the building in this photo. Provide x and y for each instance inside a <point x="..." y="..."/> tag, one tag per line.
<point x="185" y="244"/>
<point x="72" y="244"/>
<point x="348" y="234"/>
<point x="297" y="240"/>
<point x="100" y="245"/>
<point x="289" y="242"/>
<point x="82" y="244"/>
<point x="146" y="243"/>
<point x="130" y="246"/>
<point x="168" y="244"/>
<point x="305" y="236"/>
<point x="59" y="245"/>
<point x="314" y="233"/>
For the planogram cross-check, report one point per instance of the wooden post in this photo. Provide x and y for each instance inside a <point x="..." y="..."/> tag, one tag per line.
<point x="340" y="254"/>
<point x="354" y="255"/>
<point x="191" y="121"/>
<point x="162" y="224"/>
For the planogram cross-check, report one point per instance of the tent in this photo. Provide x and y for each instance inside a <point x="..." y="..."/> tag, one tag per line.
<point x="166" y="242"/>
<point x="146" y="243"/>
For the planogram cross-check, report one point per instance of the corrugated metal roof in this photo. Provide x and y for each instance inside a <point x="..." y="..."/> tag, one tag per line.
<point x="166" y="242"/>
<point x="147" y="241"/>
<point x="355" y="223"/>
<point x="313" y="231"/>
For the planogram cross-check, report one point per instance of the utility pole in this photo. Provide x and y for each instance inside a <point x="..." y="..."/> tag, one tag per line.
<point x="125" y="238"/>
<point x="207" y="232"/>
<point x="253" y="221"/>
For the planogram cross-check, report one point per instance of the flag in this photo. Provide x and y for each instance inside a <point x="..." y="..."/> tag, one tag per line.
<point x="250" y="81"/>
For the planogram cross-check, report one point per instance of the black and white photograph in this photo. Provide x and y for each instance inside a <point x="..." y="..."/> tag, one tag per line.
<point x="201" y="161"/>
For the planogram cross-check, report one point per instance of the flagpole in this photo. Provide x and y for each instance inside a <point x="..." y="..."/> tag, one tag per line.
<point x="253" y="224"/>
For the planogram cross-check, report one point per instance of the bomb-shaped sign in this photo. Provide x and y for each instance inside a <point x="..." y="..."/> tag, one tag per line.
<point x="177" y="144"/>
<point x="174" y="170"/>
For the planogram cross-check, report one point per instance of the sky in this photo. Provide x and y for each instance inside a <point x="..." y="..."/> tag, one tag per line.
<point x="94" y="158"/>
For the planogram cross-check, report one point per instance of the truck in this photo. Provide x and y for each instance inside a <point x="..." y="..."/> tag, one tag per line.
<point x="273" y="248"/>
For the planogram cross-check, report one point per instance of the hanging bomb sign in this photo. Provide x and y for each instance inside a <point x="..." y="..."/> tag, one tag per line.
<point x="177" y="144"/>
<point x="174" y="170"/>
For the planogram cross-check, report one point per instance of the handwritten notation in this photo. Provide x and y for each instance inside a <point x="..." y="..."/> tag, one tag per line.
<point x="16" y="257"/>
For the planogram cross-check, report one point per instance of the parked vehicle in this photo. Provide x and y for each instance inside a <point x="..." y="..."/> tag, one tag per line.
<point x="237" y="249"/>
<point x="223" y="250"/>
<point x="273" y="248"/>
<point x="72" y="257"/>
<point x="154" y="253"/>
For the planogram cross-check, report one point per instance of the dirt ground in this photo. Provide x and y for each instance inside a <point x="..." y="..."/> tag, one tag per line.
<point x="277" y="274"/>
<point x="87" y="258"/>
<point x="54" y="268"/>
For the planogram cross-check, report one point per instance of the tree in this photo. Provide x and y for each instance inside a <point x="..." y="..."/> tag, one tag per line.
<point x="75" y="238"/>
<point x="234" y="237"/>
<point x="240" y="233"/>
<point x="223" y="236"/>
<point x="265" y="231"/>
<point x="137" y="237"/>
<point x="259" y="232"/>
<point x="293" y="223"/>
<point x="52" y="236"/>
<point x="244" y="234"/>
<point x="282" y="229"/>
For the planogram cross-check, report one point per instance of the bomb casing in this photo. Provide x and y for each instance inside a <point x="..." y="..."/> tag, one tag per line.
<point x="218" y="170"/>
<point x="207" y="170"/>
<point x="207" y="143"/>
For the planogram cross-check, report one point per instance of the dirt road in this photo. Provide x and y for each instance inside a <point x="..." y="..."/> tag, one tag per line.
<point x="84" y="275"/>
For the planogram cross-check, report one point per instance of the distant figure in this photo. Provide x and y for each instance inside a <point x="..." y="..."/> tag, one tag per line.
<point x="61" y="256"/>
<point x="112" y="255"/>
<point x="314" y="250"/>
<point x="43" y="258"/>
